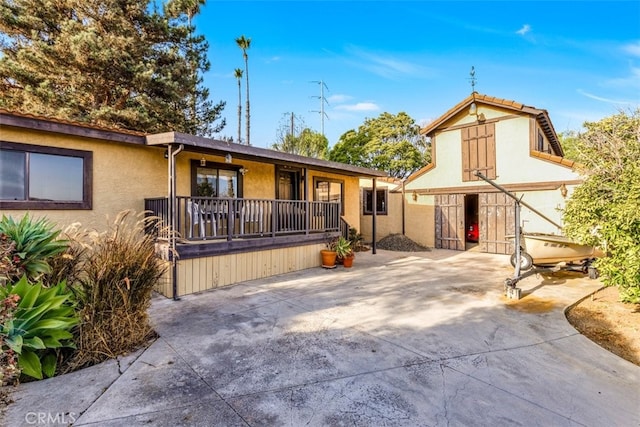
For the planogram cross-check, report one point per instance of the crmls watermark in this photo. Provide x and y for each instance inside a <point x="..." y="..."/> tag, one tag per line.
<point x="50" y="418"/>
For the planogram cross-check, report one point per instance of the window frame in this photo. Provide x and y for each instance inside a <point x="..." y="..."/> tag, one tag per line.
<point x="87" y="178"/>
<point x="195" y="164"/>
<point x="318" y="179"/>
<point x="367" y="194"/>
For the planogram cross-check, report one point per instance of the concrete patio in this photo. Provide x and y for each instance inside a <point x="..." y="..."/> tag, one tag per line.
<point x="401" y="339"/>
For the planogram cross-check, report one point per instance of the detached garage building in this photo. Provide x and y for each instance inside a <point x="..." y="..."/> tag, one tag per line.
<point x="514" y="145"/>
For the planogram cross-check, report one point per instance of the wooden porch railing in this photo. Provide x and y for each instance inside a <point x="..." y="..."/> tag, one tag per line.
<point x="209" y="218"/>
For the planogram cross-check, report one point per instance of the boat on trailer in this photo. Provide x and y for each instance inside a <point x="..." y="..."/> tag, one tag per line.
<point x="550" y="250"/>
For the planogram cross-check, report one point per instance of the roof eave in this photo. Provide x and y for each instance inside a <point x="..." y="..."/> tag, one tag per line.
<point x="218" y="147"/>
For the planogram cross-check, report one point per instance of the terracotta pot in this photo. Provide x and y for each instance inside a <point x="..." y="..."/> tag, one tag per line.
<point x="328" y="258"/>
<point x="348" y="261"/>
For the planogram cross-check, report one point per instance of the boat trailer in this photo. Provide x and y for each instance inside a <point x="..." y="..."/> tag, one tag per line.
<point x="563" y="250"/>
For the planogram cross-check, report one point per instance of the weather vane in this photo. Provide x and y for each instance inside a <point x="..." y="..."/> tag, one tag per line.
<point x="472" y="79"/>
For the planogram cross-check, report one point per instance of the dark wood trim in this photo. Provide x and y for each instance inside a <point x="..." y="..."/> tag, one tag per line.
<point x="476" y="123"/>
<point x="298" y="175"/>
<point x="71" y="128"/>
<point x="224" y="247"/>
<point x="386" y="199"/>
<point x="239" y="151"/>
<point x="87" y="179"/>
<point x="535" y="186"/>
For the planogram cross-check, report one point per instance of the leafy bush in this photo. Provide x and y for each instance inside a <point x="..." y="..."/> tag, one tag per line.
<point x="9" y="371"/>
<point x="342" y="247"/>
<point x="41" y="324"/>
<point x="356" y="240"/>
<point x="604" y="211"/>
<point x="35" y="242"/>
<point x="119" y="271"/>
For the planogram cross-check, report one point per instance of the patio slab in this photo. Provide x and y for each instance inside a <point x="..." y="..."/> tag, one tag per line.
<point x="401" y="339"/>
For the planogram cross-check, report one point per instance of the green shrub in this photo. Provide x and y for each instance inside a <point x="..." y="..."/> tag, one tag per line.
<point x="35" y="242"/>
<point x="41" y="324"/>
<point x="119" y="271"/>
<point x="9" y="370"/>
<point x="604" y="211"/>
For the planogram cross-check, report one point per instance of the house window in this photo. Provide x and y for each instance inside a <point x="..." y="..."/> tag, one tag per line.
<point x="478" y="151"/>
<point x="381" y="201"/>
<point x="327" y="190"/>
<point x="213" y="181"/>
<point x="540" y="142"/>
<point x="38" y="177"/>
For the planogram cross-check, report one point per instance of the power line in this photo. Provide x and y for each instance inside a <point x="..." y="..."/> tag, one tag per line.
<point x="323" y="100"/>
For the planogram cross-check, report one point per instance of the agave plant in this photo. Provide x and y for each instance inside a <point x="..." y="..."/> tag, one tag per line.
<point x="35" y="242"/>
<point x="41" y="324"/>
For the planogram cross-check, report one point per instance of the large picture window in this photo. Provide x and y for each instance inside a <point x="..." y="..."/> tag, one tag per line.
<point x="213" y="180"/>
<point x="37" y="177"/>
<point x="381" y="201"/>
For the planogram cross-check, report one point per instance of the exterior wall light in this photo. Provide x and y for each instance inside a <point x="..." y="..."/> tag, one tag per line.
<point x="203" y="162"/>
<point x="563" y="190"/>
<point x="228" y="158"/>
<point x="243" y="171"/>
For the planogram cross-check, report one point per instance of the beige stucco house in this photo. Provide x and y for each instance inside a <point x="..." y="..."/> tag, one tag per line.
<point x="512" y="144"/>
<point x="239" y="212"/>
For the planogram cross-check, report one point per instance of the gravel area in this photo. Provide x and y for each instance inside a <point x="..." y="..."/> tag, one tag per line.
<point x="400" y="243"/>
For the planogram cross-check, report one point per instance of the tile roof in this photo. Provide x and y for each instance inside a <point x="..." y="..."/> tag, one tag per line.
<point x="555" y="159"/>
<point x="542" y="116"/>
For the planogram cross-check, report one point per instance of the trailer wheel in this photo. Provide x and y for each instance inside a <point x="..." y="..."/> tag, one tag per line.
<point x="526" y="262"/>
<point x="592" y="272"/>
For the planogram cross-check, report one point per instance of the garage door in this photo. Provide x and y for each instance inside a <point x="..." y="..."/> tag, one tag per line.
<point x="450" y="221"/>
<point x="496" y="216"/>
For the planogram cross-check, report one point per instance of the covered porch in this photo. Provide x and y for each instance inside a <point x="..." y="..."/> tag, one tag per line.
<point x="235" y="212"/>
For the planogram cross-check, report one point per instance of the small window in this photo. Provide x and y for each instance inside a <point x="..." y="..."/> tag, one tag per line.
<point x="37" y="177"/>
<point x="540" y="142"/>
<point x="381" y="201"/>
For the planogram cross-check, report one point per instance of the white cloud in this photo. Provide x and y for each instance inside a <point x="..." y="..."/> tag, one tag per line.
<point x="338" y="98"/>
<point x="632" y="48"/>
<point x="599" y="98"/>
<point x="526" y="28"/>
<point x="385" y="65"/>
<point x="360" y="106"/>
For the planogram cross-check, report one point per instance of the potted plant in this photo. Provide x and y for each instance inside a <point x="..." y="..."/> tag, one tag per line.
<point x="344" y="252"/>
<point x="329" y="255"/>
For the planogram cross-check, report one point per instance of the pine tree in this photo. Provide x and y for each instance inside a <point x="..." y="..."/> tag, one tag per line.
<point x="108" y="62"/>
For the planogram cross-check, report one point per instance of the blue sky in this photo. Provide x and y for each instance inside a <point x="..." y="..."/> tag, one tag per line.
<point x="579" y="60"/>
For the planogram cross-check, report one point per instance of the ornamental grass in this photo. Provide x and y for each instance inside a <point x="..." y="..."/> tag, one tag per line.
<point x="115" y="274"/>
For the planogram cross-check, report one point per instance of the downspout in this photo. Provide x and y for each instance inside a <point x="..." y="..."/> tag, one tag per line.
<point x="172" y="217"/>
<point x="374" y="202"/>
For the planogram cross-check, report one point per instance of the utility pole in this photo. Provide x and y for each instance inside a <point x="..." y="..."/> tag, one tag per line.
<point x="323" y="100"/>
<point x="292" y="131"/>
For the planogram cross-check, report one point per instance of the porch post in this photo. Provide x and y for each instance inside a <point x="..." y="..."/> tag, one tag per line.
<point x="172" y="216"/>
<point x="307" y="217"/>
<point x="374" y="216"/>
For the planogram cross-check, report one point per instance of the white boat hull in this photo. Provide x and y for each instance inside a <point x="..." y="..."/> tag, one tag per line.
<point x="551" y="249"/>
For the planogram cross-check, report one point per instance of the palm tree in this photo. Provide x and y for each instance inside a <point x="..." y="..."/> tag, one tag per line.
<point x="175" y="8"/>
<point x="238" y="75"/>
<point x="189" y="7"/>
<point x="244" y="44"/>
